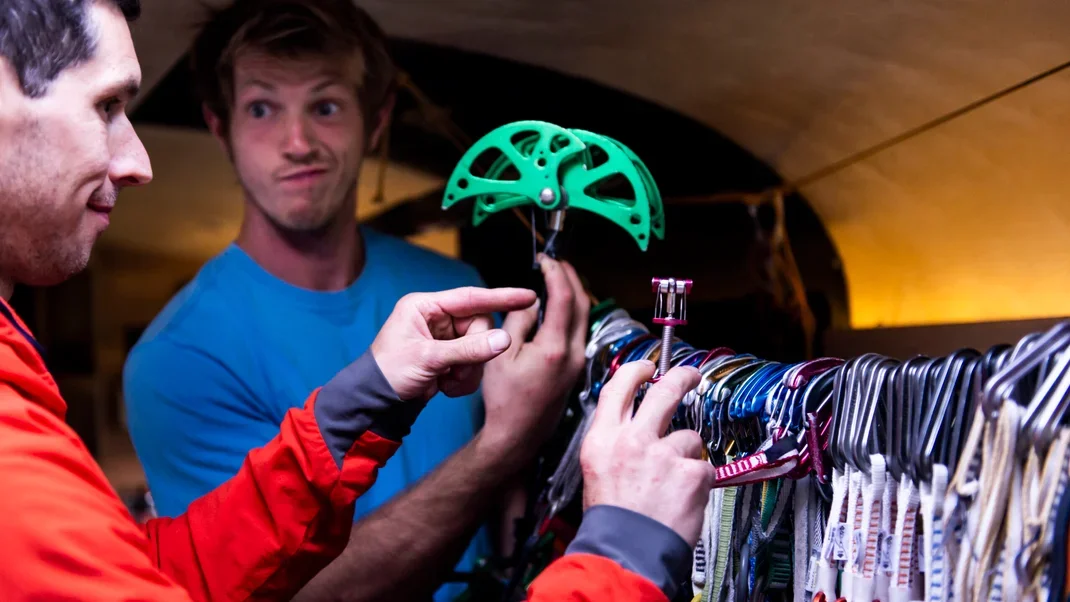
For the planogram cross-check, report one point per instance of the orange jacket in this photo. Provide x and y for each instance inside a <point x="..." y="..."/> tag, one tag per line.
<point x="617" y="555"/>
<point x="65" y="534"/>
<point x="262" y="535"/>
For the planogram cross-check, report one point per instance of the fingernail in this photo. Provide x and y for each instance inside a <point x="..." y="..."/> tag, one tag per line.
<point x="647" y="363"/>
<point x="499" y="341"/>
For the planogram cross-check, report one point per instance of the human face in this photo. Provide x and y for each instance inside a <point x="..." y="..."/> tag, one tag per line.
<point x="296" y="139"/>
<point x="66" y="155"/>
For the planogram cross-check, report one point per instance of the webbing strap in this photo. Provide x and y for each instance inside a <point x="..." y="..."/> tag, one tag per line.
<point x="886" y="539"/>
<point x="1042" y="483"/>
<point x="1055" y="470"/>
<point x="872" y="498"/>
<point x="936" y="584"/>
<point x="852" y="558"/>
<point x="737" y="571"/>
<point x="775" y="462"/>
<point x="832" y="545"/>
<point x="1006" y="586"/>
<point x="724" y="539"/>
<point x="801" y="555"/>
<point x="996" y="472"/>
<point x="962" y="495"/>
<point x="905" y="583"/>
<point x="701" y="558"/>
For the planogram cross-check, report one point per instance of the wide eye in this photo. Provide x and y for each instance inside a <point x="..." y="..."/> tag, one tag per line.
<point x="259" y="110"/>
<point x="326" y="108"/>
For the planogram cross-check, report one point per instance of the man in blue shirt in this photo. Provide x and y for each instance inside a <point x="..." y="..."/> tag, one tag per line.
<point x="296" y="91"/>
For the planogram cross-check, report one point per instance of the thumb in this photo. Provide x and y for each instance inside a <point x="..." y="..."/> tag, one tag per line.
<point x="473" y="348"/>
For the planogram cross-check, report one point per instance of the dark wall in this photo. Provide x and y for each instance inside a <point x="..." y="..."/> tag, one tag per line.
<point x="61" y="319"/>
<point x="904" y="343"/>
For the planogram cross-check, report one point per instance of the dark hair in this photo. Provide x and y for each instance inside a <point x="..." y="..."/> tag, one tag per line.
<point x="41" y="38"/>
<point x="291" y="29"/>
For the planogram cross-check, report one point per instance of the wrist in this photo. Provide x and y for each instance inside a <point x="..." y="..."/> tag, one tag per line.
<point x="501" y="452"/>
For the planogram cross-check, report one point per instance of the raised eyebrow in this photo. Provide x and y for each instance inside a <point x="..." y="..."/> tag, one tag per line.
<point x="327" y="83"/>
<point x="258" y="83"/>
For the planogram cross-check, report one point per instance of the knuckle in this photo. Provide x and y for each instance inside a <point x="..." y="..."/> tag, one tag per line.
<point x="554" y="354"/>
<point x="627" y="373"/>
<point x="567" y="294"/>
<point x="632" y="447"/>
<point x="471" y="294"/>
<point x="699" y="474"/>
<point x="692" y="473"/>
<point x="672" y="388"/>
<point x="410" y="300"/>
<point x="661" y="454"/>
<point x="427" y="355"/>
<point x="693" y="442"/>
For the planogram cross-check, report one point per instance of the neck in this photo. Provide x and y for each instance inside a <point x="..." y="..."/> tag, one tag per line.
<point x="329" y="259"/>
<point x="7" y="288"/>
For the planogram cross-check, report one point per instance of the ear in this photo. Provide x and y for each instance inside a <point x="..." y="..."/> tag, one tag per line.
<point x="382" y="120"/>
<point x="215" y="126"/>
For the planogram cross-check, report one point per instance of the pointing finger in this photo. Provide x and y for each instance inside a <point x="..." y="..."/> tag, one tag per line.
<point x="470" y="301"/>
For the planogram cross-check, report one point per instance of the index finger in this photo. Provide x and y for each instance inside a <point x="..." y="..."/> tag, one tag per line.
<point x="471" y="301"/>
<point x="578" y="336"/>
<point x="557" y="321"/>
<point x="615" y="400"/>
<point x="662" y="399"/>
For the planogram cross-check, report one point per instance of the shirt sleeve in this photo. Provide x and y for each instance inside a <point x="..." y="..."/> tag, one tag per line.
<point x="192" y="421"/>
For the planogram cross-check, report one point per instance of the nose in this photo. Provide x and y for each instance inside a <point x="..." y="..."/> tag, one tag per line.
<point x="130" y="165"/>
<point x="297" y="144"/>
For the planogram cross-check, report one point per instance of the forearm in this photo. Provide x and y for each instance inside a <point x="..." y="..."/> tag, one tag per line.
<point x="407" y="548"/>
<point x="513" y="506"/>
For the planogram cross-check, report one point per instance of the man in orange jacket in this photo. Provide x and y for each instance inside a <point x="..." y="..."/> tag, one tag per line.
<point x="67" y="71"/>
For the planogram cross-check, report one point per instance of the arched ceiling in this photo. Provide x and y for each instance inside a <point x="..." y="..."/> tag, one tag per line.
<point x="967" y="222"/>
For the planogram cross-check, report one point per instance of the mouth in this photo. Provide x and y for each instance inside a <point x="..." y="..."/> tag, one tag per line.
<point x="101" y="212"/>
<point x="305" y="176"/>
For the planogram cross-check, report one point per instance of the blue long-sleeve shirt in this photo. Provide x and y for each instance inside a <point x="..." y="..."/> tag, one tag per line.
<point x="215" y="372"/>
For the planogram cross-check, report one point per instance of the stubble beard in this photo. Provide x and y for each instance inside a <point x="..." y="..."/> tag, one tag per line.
<point x="35" y="247"/>
<point x="302" y="232"/>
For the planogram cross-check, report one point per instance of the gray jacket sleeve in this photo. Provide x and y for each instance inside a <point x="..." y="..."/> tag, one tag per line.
<point x="638" y="543"/>
<point x="357" y="400"/>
